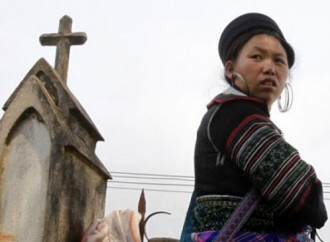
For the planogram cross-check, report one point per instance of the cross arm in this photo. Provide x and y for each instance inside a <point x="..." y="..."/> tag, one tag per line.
<point x="78" y="38"/>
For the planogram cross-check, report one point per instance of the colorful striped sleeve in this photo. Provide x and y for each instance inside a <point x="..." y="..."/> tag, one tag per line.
<point x="272" y="165"/>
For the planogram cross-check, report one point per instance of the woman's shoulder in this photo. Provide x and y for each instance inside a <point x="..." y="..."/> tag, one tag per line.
<point x="233" y="111"/>
<point x="237" y="108"/>
<point x="234" y="100"/>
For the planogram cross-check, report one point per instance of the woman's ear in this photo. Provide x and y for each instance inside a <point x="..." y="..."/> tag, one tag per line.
<point x="229" y="69"/>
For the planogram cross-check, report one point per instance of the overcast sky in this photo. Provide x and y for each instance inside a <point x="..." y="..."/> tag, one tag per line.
<point x="147" y="71"/>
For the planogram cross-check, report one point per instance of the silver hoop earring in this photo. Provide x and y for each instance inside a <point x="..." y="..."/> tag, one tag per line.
<point x="236" y="74"/>
<point x="288" y="93"/>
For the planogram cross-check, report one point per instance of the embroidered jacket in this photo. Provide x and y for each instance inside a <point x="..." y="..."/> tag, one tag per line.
<point x="238" y="147"/>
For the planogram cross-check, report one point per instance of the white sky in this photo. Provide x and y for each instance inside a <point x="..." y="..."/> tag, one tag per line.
<point x="147" y="71"/>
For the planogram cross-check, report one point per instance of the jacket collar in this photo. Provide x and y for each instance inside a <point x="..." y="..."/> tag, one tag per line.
<point x="234" y="91"/>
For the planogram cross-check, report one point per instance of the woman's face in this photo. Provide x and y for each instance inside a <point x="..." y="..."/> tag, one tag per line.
<point x="263" y="63"/>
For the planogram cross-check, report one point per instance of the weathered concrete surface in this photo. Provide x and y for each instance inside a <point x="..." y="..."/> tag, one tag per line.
<point x="51" y="182"/>
<point x="24" y="184"/>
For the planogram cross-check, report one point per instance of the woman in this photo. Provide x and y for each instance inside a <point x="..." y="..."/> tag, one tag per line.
<point x="242" y="161"/>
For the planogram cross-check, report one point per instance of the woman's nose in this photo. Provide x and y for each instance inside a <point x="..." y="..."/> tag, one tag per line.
<point x="269" y="68"/>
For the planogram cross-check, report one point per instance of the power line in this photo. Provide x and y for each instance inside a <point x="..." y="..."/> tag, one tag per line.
<point x="150" y="174"/>
<point x="153" y="175"/>
<point x="147" y="189"/>
<point x="154" y="178"/>
<point x="154" y="184"/>
<point x="133" y="175"/>
<point x="161" y="190"/>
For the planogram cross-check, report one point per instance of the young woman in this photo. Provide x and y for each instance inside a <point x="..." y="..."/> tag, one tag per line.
<point x="250" y="184"/>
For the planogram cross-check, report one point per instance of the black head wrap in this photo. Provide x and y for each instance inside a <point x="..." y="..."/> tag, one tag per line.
<point x="249" y="22"/>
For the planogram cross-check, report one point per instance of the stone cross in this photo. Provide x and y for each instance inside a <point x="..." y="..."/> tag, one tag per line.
<point x="63" y="40"/>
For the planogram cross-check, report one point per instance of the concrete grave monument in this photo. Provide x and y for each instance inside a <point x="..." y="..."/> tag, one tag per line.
<point x="52" y="184"/>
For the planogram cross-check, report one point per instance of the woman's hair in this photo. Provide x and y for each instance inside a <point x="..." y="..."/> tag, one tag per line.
<point x="236" y="46"/>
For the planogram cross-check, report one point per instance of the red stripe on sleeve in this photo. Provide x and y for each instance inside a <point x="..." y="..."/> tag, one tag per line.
<point x="303" y="198"/>
<point x="241" y="126"/>
<point x="279" y="177"/>
<point x="294" y="192"/>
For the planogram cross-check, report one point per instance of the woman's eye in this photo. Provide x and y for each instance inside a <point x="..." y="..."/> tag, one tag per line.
<point x="256" y="57"/>
<point x="280" y="60"/>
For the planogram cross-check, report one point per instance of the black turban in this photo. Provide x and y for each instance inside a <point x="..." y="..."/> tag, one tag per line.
<point x="246" y="23"/>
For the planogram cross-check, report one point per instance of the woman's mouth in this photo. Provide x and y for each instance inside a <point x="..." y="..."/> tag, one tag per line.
<point x="268" y="82"/>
